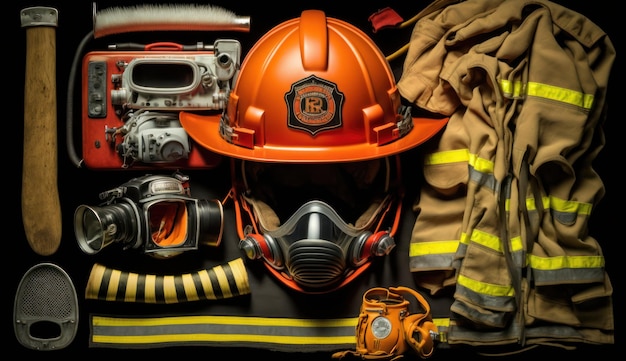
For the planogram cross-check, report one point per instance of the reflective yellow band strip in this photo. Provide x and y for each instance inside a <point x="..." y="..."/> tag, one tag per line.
<point x="222" y="320"/>
<point x="481" y="164"/>
<point x="260" y="332"/>
<point x="560" y="262"/>
<point x="493" y="242"/>
<point x="465" y="238"/>
<point x="560" y="94"/>
<point x="449" y="156"/>
<point x="517" y="244"/>
<point x="563" y="95"/>
<point x="436" y="247"/>
<point x="511" y="89"/>
<point x="486" y="288"/>
<point x="212" y="338"/>
<point x="458" y="156"/>
<point x="441" y="322"/>
<point x="567" y="206"/>
<point x="564" y="209"/>
<point x="487" y="240"/>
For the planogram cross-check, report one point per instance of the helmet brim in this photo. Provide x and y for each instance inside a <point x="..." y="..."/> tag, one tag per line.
<point x="204" y="130"/>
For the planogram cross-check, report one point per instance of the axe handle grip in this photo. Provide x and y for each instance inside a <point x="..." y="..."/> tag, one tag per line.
<point x="41" y="208"/>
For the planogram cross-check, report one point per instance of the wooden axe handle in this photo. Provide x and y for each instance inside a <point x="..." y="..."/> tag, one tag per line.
<point x="41" y="208"/>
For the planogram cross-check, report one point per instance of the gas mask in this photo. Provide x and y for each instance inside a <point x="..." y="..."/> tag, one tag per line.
<point x="154" y="213"/>
<point x="318" y="226"/>
<point x="315" y="120"/>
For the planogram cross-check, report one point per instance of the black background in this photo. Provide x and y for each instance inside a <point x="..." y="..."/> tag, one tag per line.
<point x="78" y="186"/>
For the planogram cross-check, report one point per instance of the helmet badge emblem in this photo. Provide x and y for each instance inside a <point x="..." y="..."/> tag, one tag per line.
<point x="314" y="105"/>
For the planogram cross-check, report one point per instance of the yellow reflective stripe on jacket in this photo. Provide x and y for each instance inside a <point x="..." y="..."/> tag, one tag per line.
<point x="563" y="95"/>
<point x="448" y="156"/>
<point x="485" y="288"/>
<point x="481" y="170"/>
<point x="567" y="206"/>
<point x="552" y="270"/>
<point x="493" y="242"/>
<point x="460" y="155"/>
<point x="553" y="263"/>
<point x="480" y="164"/>
<point x="434" y="247"/>
<point x="558" y="205"/>
<point x="433" y="255"/>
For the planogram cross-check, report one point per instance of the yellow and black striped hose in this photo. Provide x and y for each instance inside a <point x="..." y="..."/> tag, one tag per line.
<point x="222" y="281"/>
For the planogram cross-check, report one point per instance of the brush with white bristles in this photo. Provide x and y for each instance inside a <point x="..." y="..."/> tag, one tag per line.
<point x="177" y="17"/>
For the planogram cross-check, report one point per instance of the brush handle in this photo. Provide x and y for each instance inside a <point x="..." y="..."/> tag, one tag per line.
<point x="166" y="17"/>
<point x="41" y="208"/>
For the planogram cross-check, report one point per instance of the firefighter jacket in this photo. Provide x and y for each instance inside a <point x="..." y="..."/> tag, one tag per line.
<point x="502" y="216"/>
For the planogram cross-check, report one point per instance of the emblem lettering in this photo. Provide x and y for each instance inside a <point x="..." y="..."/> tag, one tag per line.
<point x="314" y="105"/>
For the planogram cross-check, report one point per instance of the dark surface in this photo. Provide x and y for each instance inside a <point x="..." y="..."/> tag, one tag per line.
<point x="77" y="186"/>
